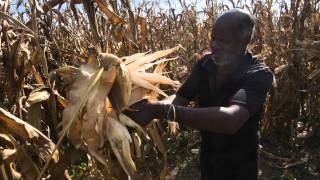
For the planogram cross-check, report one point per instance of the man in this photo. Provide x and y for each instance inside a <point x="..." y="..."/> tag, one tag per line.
<point x="230" y="86"/>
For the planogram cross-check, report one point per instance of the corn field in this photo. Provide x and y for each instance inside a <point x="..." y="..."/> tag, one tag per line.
<point x="69" y="68"/>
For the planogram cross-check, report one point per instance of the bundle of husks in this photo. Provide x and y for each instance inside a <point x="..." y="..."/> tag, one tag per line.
<point x="99" y="91"/>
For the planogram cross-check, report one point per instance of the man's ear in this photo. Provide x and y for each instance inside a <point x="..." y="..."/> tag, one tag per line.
<point x="244" y="43"/>
<point x="246" y="40"/>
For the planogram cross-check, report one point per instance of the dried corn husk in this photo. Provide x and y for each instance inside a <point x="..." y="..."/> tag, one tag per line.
<point x="157" y="79"/>
<point x="119" y="139"/>
<point x="121" y="90"/>
<point x="120" y="85"/>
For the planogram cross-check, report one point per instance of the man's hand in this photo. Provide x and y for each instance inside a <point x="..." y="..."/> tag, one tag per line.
<point x="143" y="112"/>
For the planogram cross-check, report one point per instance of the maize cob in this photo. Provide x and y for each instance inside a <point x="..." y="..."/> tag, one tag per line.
<point x="122" y="83"/>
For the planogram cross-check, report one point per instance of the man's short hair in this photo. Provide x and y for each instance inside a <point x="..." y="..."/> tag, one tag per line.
<point x="246" y="26"/>
<point x="243" y="21"/>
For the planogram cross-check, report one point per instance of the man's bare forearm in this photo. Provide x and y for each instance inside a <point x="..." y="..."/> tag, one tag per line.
<point x="226" y="120"/>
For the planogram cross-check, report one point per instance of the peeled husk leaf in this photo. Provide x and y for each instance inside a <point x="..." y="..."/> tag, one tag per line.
<point x="93" y="79"/>
<point x="125" y="120"/>
<point x="137" y="94"/>
<point x="145" y="84"/>
<point x="119" y="139"/>
<point x="157" y="78"/>
<point x="134" y="66"/>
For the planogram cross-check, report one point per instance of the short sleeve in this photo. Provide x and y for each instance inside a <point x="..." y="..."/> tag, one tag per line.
<point x="253" y="93"/>
<point x="189" y="88"/>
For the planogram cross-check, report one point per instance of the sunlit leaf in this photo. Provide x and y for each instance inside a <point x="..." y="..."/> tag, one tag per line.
<point x="16" y="22"/>
<point x="114" y="18"/>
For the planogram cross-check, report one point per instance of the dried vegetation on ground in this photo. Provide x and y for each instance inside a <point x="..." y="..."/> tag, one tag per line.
<point x="62" y="90"/>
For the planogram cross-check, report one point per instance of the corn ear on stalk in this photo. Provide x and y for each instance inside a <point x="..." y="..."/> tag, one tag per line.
<point x="121" y="90"/>
<point x="123" y="82"/>
<point x="108" y="60"/>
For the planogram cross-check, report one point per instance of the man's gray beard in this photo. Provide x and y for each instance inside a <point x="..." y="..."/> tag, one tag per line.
<point x="226" y="60"/>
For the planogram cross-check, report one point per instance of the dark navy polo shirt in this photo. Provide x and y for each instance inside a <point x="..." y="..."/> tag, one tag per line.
<point x="248" y="86"/>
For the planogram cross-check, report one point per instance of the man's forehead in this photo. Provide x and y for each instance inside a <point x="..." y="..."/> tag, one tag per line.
<point x="227" y="21"/>
<point x="226" y="29"/>
<point x="225" y="25"/>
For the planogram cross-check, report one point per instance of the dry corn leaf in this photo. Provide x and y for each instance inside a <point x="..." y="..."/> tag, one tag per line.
<point x="61" y="100"/>
<point x="36" y="75"/>
<point x="74" y="10"/>
<point x="280" y="68"/>
<point x="173" y="127"/>
<point x="25" y="131"/>
<point x="153" y="131"/>
<point x="160" y="67"/>
<point x="125" y="120"/>
<point x="38" y="95"/>
<point x="137" y="145"/>
<point x="28" y="168"/>
<point x="137" y="94"/>
<point x="129" y="59"/>
<point x="118" y="32"/>
<point x="114" y="18"/>
<point x="143" y="83"/>
<point x="16" y="22"/>
<point x="157" y="79"/>
<point x="8" y="154"/>
<point x="4" y="5"/>
<point x="156" y="138"/>
<point x="314" y="73"/>
<point x="146" y="66"/>
<point x="35" y="115"/>
<point x="89" y="7"/>
<point x="151" y="57"/>
<point x="143" y="28"/>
